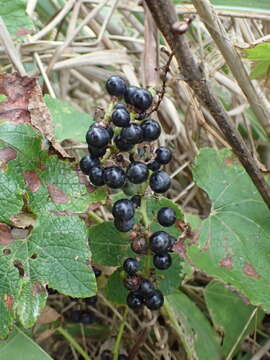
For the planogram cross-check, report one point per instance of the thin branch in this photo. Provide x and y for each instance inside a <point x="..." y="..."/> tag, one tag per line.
<point x="165" y="16"/>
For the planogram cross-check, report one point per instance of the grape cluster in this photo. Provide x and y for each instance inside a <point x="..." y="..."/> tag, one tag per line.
<point x="120" y="157"/>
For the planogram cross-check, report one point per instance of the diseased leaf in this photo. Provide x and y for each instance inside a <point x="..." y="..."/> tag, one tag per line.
<point x="199" y="339"/>
<point x="234" y="241"/>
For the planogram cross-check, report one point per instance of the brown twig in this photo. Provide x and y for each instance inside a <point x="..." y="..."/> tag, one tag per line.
<point x="141" y="339"/>
<point x="165" y="16"/>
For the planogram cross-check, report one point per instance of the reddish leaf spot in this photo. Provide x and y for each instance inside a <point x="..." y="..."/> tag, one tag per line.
<point x="32" y="180"/>
<point x="5" y="234"/>
<point x="23" y="31"/>
<point x="250" y="271"/>
<point x="57" y="195"/>
<point x="226" y="262"/>
<point x="180" y="249"/>
<point x="9" y="301"/>
<point x="7" y="154"/>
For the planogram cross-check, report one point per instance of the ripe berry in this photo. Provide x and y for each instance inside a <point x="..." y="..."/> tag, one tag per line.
<point x="172" y="241"/>
<point x="98" y="136"/>
<point x="141" y="99"/>
<point x="162" y="262"/>
<point x="98" y="152"/>
<point x="120" y="106"/>
<point x="124" y="225"/>
<point x="163" y="155"/>
<point x="116" y="85"/>
<point x="159" y="242"/>
<point x="132" y="134"/>
<point x="139" y="245"/>
<point x="137" y="172"/>
<point x="134" y="300"/>
<point x="151" y="130"/>
<point x="96" y="176"/>
<point x="131" y="266"/>
<point x="129" y="93"/>
<point x="123" y="209"/>
<point x="166" y="216"/>
<point x="132" y="283"/>
<point x="146" y="288"/>
<point x="87" y="162"/>
<point x="87" y="318"/>
<point x="110" y="131"/>
<point x="120" y="117"/>
<point x="155" y="300"/>
<point x="136" y="199"/>
<point x="97" y="272"/>
<point x="154" y="165"/>
<point x="160" y="181"/>
<point x="75" y="316"/>
<point x="122" y="144"/>
<point x="114" y="177"/>
<point x="106" y="355"/>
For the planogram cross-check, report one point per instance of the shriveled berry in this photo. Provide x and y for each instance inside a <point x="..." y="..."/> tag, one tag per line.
<point x="137" y="172"/>
<point x="151" y="130"/>
<point x="154" y="165"/>
<point x="121" y="118"/>
<point x="166" y="216"/>
<point x="129" y="93"/>
<point x="134" y="300"/>
<point x="132" y="283"/>
<point x="131" y="266"/>
<point x="98" y="152"/>
<point x="160" y="181"/>
<point x="123" y="209"/>
<point x="141" y="99"/>
<point x="120" y="106"/>
<point x="155" y="300"/>
<point x="96" y="176"/>
<point x="132" y="134"/>
<point x="87" y="162"/>
<point x="136" y="199"/>
<point x="163" y="261"/>
<point x="139" y="245"/>
<point x="163" y="155"/>
<point x="146" y="288"/>
<point x="124" y="225"/>
<point x="159" y="242"/>
<point x="116" y="85"/>
<point x="98" y="137"/>
<point x="122" y="144"/>
<point x="114" y="177"/>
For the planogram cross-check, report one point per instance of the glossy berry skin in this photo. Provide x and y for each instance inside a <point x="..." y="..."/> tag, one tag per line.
<point x="120" y="118"/>
<point x="129" y="94"/>
<point x="163" y="155"/>
<point x="97" y="272"/>
<point x="96" y="176"/>
<point x="139" y="245"/>
<point x="98" y="152"/>
<point x="116" y="86"/>
<point x="172" y="241"/>
<point x="122" y="144"/>
<point x="159" y="242"/>
<point x="114" y="177"/>
<point x="137" y="172"/>
<point x="154" y="165"/>
<point x="146" y="288"/>
<point x="142" y="99"/>
<point x="166" y="216"/>
<point x="136" y="200"/>
<point x="155" y="300"/>
<point x="131" y="266"/>
<point x="124" y="225"/>
<point x="98" y="137"/>
<point x="132" y="134"/>
<point x="162" y="262"/>
<point x="151" y="130"/>
<point x="134" y="300"/>
<point x="160" y="181"/>
<point x="120" y="106"/>
<point x="87" y="162"/>
<point x="106" y="355"/>
<point x="132" y="283"/>
<point x="123" y="209"/>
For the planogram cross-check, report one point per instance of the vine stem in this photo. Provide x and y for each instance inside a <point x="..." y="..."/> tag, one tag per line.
<point x="117" y="344"/>
<point x="146" y="222"/>
<point x="164" y="14"/>
<point x="73" y="343"/>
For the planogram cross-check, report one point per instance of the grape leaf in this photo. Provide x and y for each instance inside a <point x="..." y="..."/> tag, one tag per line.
<point x="234" y="241"/>
<point x="115" y="290"/>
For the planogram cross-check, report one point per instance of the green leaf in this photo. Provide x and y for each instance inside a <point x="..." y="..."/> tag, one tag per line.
<point x="15" y="17"/>
<point x="68" y="122"/>
<point x="169" y="280"/>
<point x="199" y="339"/>
<point x="260" y="70"/>
<point x="115" y="290"/>
<point x="260" y="52"/>
<point x="20" y="346"/>
<point x="108" y="245"/>
<point x="234" y="241"/>
<point x="223" y="305"/>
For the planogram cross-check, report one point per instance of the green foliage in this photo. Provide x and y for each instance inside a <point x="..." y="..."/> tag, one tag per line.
<point x="199" y="339"/>
<point x="229" y="314"/>
<point x="234" y="240"/>
<point x="115" y="290"/>
<point x="68" y="122"/>
<point x="260" y="55"/>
